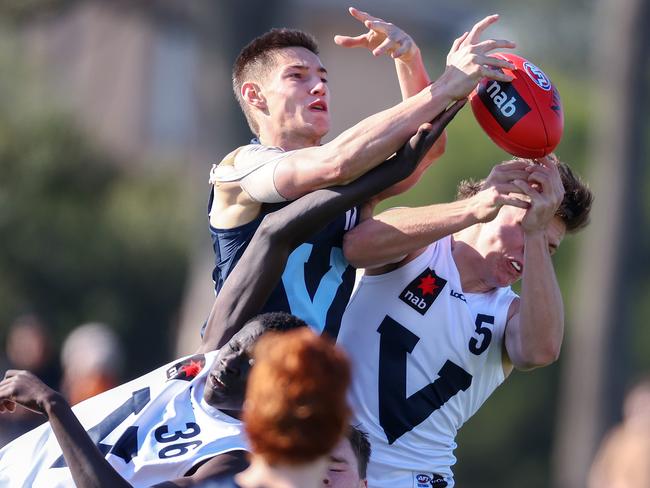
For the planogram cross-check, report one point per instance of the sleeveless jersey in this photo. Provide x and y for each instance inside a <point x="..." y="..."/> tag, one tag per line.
<point x="425" y="356"/>
<point x="152" y="429"/>
<point x="317" y="281"/>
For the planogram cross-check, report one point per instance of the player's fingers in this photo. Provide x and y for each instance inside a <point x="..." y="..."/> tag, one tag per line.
<point x="494" y="62"/>
<point x="514" y="201"/>
<point x="349" y="41"/>
<point x="490" y="44"/>
<point x="507" y="188"/>
<point x="403" y="49"/>
<point x="361" y="15"/>
<point x="458" y="41"/>
<point x="495" y="74"/>
<point x="378" y="26"/>
<point x="527" y="189"/>
<point x="479" y="27"/>
<point x="387" y="45"/>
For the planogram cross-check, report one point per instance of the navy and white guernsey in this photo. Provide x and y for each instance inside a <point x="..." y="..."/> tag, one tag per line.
<point x="317" y="281"/>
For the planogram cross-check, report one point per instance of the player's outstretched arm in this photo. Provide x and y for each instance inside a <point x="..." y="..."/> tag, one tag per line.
<point x="368" y="143"/>
<point x="385" y="38"/>
<point x="87" y="464"/>
<point x="533" y="336"/>
<point x="260" y="268"/>
<point x="398" y="233"/>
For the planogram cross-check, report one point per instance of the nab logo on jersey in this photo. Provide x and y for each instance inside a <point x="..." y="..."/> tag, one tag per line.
<point x="187" y="369"/>
<point x="423" y="291"/>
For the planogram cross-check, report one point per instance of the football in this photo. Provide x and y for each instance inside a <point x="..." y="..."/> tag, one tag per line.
<point x="523" y="117"/>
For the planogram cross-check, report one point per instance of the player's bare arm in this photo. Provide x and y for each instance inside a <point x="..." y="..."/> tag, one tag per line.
<point x="385" y="38"/>
<point x="372" y="140"/>
<point x="284" y="229"/>
<point x="534" y="333"/>
<point x="87" y="465"/>
<point x="400" y="234"/>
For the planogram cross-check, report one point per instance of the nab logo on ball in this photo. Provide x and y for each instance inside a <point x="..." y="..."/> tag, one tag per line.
<point x="538" y="76"/>
<point x="504" y="102"/>
<point x="523" y="117"/>
<point x="423" y="291"/>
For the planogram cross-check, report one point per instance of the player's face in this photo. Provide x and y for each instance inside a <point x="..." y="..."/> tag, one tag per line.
<point x="226" y="383"/>
<point x="502" y="245"/>
<point x="343" y="469"/>
<point x="297" y="98"/>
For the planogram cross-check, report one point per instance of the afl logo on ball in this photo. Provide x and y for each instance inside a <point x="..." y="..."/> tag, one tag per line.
<point x="538" y="76"/>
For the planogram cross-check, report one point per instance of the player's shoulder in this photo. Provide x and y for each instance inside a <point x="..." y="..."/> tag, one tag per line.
<point x="244" y="160"/>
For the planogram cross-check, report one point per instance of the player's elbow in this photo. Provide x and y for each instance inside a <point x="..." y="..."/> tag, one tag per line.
<point x="538" y="357"/>
<point x="272" y="228"/>
<point x="354" y="247"/>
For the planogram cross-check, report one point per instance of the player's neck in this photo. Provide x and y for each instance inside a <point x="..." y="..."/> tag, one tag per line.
<point x="468" y="262"/>
<point x="261" y="474"/>
<point x="236" y="414"/>
<point x="287" y="141"/>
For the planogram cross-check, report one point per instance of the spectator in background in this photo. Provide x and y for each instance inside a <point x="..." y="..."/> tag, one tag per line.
<point x="623" y="460"/>
<point x="28" y="346"/>
<point x="92" y="362"/>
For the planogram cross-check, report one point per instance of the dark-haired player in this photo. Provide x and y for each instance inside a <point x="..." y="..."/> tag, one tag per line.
<point x="282" y="88"/>
<point x="348" y="465"/>
<point x="440" y="326"/>
<point x="179" y="421"/>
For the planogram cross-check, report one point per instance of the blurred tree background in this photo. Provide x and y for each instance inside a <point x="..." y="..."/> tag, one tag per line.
<point x="110" y="116"/>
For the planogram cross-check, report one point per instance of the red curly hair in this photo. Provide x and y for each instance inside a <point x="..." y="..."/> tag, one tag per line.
<point x="296" y="409"/>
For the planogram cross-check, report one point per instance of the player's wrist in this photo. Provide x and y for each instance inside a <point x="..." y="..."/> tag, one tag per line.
<point x="52" y="402"/>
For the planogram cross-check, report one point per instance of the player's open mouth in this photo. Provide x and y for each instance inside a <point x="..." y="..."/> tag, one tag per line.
<point x="516" y="265"/>
<point x="217" y="383"/>
<point x="318" y="106"/>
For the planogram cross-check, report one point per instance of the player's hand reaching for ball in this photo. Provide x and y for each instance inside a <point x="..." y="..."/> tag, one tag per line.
<point x="468" y="60"/>
<point x="23" y="388"/>
<point x="545" y="191"/>
<point x="382" y="38"/>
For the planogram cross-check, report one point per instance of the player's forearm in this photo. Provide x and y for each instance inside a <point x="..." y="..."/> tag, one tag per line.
<point x="87" y="465"/>
<point x="371" y="141"/>
<point x="541" y="311"/>
<point x="396" y="233"/>
<point x="411" y="75"/>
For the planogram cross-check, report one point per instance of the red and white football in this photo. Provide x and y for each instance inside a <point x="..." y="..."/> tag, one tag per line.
<point x="523" y="117"/>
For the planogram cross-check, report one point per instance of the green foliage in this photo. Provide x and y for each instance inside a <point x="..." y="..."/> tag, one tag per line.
<point x="85" y="240"/>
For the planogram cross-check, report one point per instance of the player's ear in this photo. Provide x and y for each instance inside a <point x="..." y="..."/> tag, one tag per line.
<point x="252" y="94"/>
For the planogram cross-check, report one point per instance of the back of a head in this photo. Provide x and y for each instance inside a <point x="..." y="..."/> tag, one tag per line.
<point x="296" y="409"/>
<point x="256" y="59"/>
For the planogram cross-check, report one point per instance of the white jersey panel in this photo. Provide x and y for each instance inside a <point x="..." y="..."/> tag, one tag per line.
<point x="152" y="429"/>
<point x="424" y="358"/>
